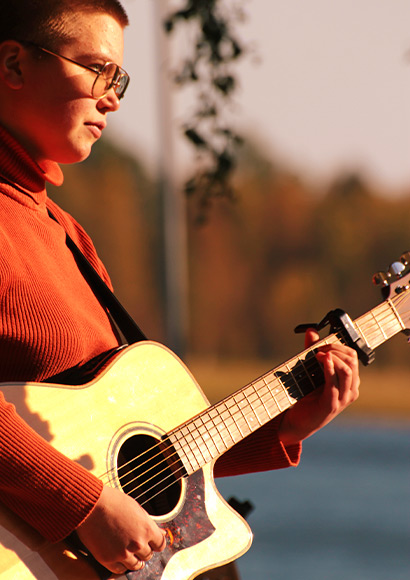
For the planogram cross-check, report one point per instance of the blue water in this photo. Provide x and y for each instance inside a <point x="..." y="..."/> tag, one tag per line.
<point x="343" y="514"/>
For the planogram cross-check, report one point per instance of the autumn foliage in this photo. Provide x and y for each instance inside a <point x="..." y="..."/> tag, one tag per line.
<point x="284" y="252"/>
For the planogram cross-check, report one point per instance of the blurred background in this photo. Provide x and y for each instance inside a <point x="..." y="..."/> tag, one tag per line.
<point x="321" y="202"/>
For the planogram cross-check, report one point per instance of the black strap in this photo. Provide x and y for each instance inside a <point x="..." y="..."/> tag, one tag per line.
<point x="126" y="324"/>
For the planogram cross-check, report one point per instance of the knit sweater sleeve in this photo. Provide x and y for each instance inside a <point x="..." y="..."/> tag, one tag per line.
<point x="261" y="451"/>
<point x="46" y="489"/>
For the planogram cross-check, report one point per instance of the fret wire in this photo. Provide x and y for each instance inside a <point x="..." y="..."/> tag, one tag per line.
<point x="176" y="441"/>
<point x="392" y="315"/>
<point x="254" y="401"/>
<point x="225" y="422"/>
<point x="292" y="377"/>
<point x="268" y="396"/>
<point x="191" y="442"/>
<point x="287" y="381"/>
<point x="239" y="400"/>
<point x="228" y="419"/>
<point x="308" y="375"/>
<point x="379" y="325"/>
<point x="200" y="439"/>
<point x="214" y="430"/>
<point x="253" y="398"/>
<point x="216" y="436"/>
<point x="266" y="416"/>
<point x="382" y="319"/>
<point x="204" y="436"/>
<point x="291" y="399"/>
<point x="250" y="402"/>
<point x="180" y="445"/>
<point x="221" y="426"/>
<point x="282" y="389"/>
<point x="231" y="416"/>
<point x="274" y="389"/>
<point x="232" y="411"/>
<point x="260" y="410"/>
<point x="388" y="312"/>
<point x="277" y="392"/>
<point x="241" y="420"/>
<point x="366" y="327"/>
<point x="360" y="330"/>
<point x="297" y="375"/>
<point x="402" y="326"/>
<point x="291" y="385"/>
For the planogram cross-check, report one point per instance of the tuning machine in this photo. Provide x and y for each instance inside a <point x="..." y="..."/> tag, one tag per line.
<point x="395" y="272"/>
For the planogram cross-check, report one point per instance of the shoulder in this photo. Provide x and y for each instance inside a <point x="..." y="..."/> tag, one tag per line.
<point x="80" y="237"/>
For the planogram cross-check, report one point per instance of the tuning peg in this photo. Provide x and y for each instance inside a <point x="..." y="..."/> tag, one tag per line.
<point x="405" y="258"/>
<point x="396" y="269"/>
<point x="381" y="279"/>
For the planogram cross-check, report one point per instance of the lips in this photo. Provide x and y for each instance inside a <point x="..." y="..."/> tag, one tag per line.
<point x="96" y="128"/>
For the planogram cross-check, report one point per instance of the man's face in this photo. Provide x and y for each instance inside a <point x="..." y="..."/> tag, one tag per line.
<point x="59" y="120"/>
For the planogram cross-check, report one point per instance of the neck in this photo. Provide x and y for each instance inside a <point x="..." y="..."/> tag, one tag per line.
<point x="19" y="167"/>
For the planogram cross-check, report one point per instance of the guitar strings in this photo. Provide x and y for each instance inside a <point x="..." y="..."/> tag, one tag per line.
<point x="275" y="380"/>
<point x="196" y="436"/>
<point x="166" y="463"/>
<point x="306" y="364"/>
<point x="204" y="423"/>
<point x="160" y="445"/>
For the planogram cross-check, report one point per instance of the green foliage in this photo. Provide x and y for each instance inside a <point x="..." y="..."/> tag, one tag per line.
<point x="209" y="69"/>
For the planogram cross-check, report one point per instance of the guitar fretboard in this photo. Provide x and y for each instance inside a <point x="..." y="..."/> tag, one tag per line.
<point x="221" y="426"/>
<point x="380" y="324"/>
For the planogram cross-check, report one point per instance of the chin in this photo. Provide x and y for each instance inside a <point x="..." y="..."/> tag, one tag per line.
<point x="74" y="156"/>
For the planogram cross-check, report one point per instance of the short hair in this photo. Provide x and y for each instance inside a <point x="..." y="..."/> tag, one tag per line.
<point x="42" y="21"/>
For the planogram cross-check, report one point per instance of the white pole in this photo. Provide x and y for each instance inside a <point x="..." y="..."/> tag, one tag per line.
<point x="173" y="201"/>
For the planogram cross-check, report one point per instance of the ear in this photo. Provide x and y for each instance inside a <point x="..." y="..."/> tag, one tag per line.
<point x="12" y="54"/>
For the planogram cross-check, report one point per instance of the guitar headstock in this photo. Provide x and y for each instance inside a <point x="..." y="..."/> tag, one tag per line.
<point x="395" y="285"/>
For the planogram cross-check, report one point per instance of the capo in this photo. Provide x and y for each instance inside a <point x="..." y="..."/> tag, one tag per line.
<point x="340" y="322"/>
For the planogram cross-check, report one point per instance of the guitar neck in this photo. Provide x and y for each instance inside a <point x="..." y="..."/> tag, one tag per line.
<point x="221" y="426"/>
<point x="381" y="323"/>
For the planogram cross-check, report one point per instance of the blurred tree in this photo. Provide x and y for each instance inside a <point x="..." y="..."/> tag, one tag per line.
<point x="283" y="254"/>
<point x="209" y="68"/>
<point x="280" y="255"/>
<point x="113" y="198"/>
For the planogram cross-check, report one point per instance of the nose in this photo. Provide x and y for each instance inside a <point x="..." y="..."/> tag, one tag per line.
<point x="109" y="103"/>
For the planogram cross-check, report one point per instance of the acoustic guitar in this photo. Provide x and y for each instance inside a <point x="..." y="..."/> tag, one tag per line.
<point x="144" y="425"/>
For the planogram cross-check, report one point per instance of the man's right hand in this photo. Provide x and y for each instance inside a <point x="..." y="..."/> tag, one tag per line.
<point x="119" y="533"/>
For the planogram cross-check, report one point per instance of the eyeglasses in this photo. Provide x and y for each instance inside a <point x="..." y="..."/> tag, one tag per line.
<point x="109" y="76"/>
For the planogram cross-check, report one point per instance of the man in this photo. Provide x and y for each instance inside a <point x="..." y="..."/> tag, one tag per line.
<point x="60" y="76"/>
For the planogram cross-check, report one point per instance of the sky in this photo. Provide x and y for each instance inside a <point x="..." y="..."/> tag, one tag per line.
<point x="326" y="88"/>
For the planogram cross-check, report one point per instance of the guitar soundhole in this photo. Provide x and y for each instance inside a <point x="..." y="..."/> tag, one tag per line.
<point x="148" y="475"/>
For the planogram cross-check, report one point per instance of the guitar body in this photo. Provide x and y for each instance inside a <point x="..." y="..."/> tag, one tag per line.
<point x="143" y="394"/>
<point x="144" y="426"/>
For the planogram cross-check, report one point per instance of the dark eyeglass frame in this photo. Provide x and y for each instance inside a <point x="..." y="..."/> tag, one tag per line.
<point x="119" y="83"/>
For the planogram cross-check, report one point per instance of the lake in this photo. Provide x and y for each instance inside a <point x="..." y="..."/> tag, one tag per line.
<point x="343" y="514"/>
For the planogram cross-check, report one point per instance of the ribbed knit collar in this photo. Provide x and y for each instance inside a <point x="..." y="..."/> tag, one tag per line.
<point x="19" y="169"/>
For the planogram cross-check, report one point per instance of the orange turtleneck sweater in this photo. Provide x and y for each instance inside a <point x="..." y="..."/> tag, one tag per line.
<point x="51" y="321"/>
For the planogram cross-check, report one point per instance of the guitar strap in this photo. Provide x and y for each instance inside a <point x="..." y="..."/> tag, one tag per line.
<point x="125" y="323"/>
